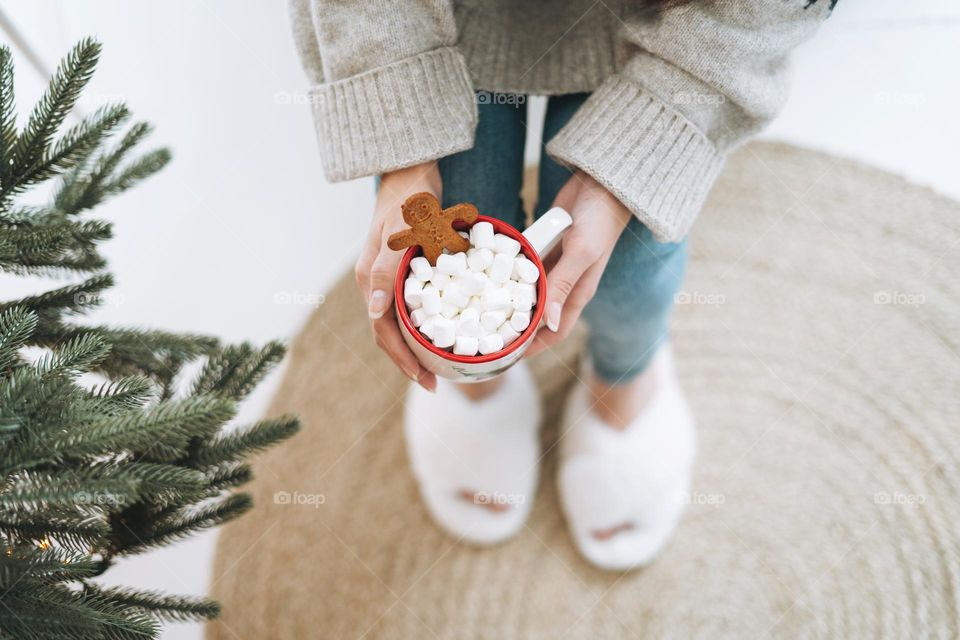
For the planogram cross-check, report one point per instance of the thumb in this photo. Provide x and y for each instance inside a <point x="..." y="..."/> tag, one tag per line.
<point x="382" y="276"/>
<point x="567" y="196"/>
<point x="562" y="279"/>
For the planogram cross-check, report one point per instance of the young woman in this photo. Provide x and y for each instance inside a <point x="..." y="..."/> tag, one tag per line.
<point x="645" y="101"/>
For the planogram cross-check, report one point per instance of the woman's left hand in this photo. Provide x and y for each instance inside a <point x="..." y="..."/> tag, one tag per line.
<point x="598" y="220"/>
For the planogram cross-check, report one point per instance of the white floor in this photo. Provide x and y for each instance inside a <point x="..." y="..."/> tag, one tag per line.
<point x="240" y="222"/>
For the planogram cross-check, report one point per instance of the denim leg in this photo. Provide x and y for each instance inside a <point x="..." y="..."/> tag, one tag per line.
<point x="490" y="175"/>
<point x="552" y="175"/>
<point x="627" y="317"/>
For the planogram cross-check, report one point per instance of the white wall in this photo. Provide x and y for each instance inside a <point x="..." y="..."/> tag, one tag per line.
<point x="242" y="213"/>
<point x="879" y="83"/>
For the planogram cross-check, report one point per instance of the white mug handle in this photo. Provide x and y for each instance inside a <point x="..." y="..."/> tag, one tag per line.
<point x="547" y="231"/>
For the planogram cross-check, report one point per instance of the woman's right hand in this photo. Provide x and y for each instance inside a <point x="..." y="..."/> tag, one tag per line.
<point x="377" y="266"/>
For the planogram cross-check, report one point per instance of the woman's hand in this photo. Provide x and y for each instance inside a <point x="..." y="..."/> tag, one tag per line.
<point x="598" y="220"/>
<point x="377" y="266"/>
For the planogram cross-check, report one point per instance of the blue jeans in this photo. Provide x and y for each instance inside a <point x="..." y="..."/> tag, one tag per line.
<point x="627" y="318"/>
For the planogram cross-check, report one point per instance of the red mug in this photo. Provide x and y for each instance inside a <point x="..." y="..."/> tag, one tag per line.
<point x="535" y="243"/>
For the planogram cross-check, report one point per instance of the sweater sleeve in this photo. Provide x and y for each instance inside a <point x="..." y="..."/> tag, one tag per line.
<point x="690" y="87"/>
<point x="389" y="89"/>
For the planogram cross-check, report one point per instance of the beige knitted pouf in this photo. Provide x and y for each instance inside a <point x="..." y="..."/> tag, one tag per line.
<point x="818" y="338"/>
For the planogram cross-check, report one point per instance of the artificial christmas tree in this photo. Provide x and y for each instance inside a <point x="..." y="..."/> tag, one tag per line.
<point x="90" y="472"/>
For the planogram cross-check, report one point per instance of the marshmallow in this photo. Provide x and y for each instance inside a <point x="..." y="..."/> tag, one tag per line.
<point x="480" y="260"/>
<point x="525" y="270"/>
<point x="444" y="333"/>
<point x="418" y="317"/>
<point x="454" y="295"/>
<point x="481" y="235"/>
<point x="440" y="280"/>
<point x="427" y="327"/>
<point x="496" y="299"/>
<point x="473" y="283"/>
<point x="501" y="268"/>
<point x="412" y="292"/>
<point x="475" y="303"/>
<point x="491" y="343"/>
<point x="421" y="268"/>
<point x="506" y="245"/>
<point x="464" y="235"/>
<point x="491" y="320"/>
<point x="508" y="333"/>
<point x="520" y="320"/>
<point x="448" y="310"/>
<point x="468" y="324"/>
<point x="452" y="264"/>
<point x="466" y="346"/>
<point x="430" y="300"/>
<point x="508" y="287"/>
<point x="523" y="296"/>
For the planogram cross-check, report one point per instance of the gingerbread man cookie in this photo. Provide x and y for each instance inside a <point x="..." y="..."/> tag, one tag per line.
<point x="432" y="227"/>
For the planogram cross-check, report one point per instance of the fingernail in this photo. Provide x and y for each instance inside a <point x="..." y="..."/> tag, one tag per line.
<point x="413" y="374"/>
<point x="378" y="304"/>
<point x="553" y="316"/>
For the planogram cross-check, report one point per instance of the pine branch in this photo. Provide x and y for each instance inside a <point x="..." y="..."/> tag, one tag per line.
<point x="71" y="299"/>
<point x="82" y="254"/>
<point x="46" y="565"/>
<point x="8" y="117"/>
<point x="228" y="476"/>
<point x="242" y="442"/>
<point x="33" y="406"/>
<point x="121" y="394"/>
<point x="17" y="214"/>
<point x="36" y="491"/>
<point x="237" y="369"/>
<point x="16" y="326"/>
<point x="76" y="144"/>
<point x="26" y="247"/>
<point x="73" y="528"/>
<point x="183" y="523"/>
<point x="85" y="187"/>
<point x="165" y="482"/>
<point x="76" y="356"/>
<point x="71" y="76"/>
<point x="138" y="170"/>
<point x="162" y="607"/>
<point x="160" y="433"/>
<point x="43" y="612"/>
<point x="110" y="160"/>
<point x="133" y="352"/>
<point x="105" y="486"/>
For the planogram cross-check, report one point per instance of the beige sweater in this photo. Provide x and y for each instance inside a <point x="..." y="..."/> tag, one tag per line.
<point x="393" y="84"/>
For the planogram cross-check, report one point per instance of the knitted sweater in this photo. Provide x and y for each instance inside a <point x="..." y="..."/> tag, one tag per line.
<point x="394" y="81"/>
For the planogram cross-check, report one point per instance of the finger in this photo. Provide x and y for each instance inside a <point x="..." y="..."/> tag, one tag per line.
<point x="568" y="193"/>
<point x="382" y="275"/>
<point x="368" y="254"/>
<point x="577" y="300"/>
<point x="427" y="380"/>
<point x="390" y="339"/>
<point x="577" y="257"/>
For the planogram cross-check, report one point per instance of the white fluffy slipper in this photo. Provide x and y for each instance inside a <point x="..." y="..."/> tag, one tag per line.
<point x="476" y="462"/>
<point x="632" y="482"/>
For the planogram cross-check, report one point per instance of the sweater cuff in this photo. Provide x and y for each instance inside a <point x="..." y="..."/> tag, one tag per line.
<point x="658" y="164"/>
<point x="415" y="110"/>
